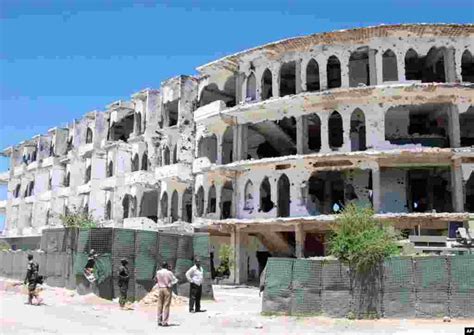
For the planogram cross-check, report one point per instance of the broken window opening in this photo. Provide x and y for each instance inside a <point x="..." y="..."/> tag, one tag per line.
<point x="164" y="206"/>
<point x="312" y="76"/>
<point x="283" y="209"/>
<point x="149" y="205"/>
<point x="248" y="196"/>
<point x="288" y="79"/>
<point x="166" y="156"/>
<point x="135" y="163"/>
<point x="171" y="110"/>
<point x="314" y="132"/>
<point x="466" y="123"/>
<point x="33" y="155"/>
<point x="108" y="210"/>
<point x="228" y="145"/>
<point x="325" y="193"/>
<point x="212" y="93"/>
<point x="200" y="202"/>
<point x="208" y="148"/>
<point x="174" y="207"/>
<point x="428" y="190"/>
<point x="266" y="203"/>
<point x="121" y="130"/>
<point x="467" y="67"/>
<point x="126" y="206"/>
<point x="138" y="123"/>
<point x="226" y="200"/>
<point x="175" y="154"/>
<point x="358" y="132"/>
<point x="211" y="200"/>
<point x="267" y="89"/>
<point x="359" y="73"/>
<point x="333" y="70"/>
<point x="110" y="169"/>
<point x="427" y="69"/>
<point x="389" y="66"/>
<point x="187" y="209"/>
<point x="87" y="177"/>
<point x="251" y="94"/>
<point x="336" y="131"/>
<point x="69" y="144"/>
<point x="469" y="202"/>
<point x="422" y="124"/>
<point x="144" y="162"/>
<point x="89" y="135"/>
<point x="272" y="138"/>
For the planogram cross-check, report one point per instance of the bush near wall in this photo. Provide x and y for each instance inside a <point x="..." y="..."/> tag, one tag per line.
<point x="425" y="287"/>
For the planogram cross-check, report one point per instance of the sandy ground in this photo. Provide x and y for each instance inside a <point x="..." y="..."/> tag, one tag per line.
<point x="236" y="310"/>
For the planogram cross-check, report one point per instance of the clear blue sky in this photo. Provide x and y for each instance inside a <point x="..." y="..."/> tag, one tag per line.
<point x="60" y="59"/>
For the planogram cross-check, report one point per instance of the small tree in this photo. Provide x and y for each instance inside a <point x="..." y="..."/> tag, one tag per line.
<point x="360" y="240"/>
<point x="77" y="219"/>
<point x="225" y="256"/>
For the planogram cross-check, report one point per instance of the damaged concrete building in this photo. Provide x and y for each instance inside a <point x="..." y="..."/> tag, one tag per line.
<point x="262" y="148"/>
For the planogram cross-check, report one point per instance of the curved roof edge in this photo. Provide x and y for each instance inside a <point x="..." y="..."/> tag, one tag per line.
<point x="332" y="37"/>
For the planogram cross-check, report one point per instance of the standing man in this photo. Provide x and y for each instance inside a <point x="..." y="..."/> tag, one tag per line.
<point x="89" y="268"/>
<point x="124" y="277"/>
<point x="165" y="280"/>
<point x="195" y="276"/>
<point x="32" y="276"/>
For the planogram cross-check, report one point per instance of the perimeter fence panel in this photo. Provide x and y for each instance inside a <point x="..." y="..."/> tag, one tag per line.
<point x="398" y="287"/>
<point x="123" y="247"/>
<point x="461" y="302"/>
<point x="335" y="295"/>
<point x="306" y="287"/>
<point x="278" y="284"/>
<point x="146" y="257"/>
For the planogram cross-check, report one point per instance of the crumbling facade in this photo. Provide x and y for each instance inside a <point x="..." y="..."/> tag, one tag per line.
<point x="264" y="147"/>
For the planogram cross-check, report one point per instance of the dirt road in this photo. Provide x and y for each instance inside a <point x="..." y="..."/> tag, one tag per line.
<point x="235" y="311"/>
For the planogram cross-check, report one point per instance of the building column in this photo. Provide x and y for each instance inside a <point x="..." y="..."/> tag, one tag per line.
<point x="300" y="237"/>
<point x="220" y="140"/>
<point x="240" y="134"/>
<point x="179" y="209"/>
<point x="298" y="88"/>
<point x="454" y="127"/>
<point x="239" y="273"/>
<point x="344" y="72"/>
<point x="401" y="67"/>
<point x="304" y="80"/>
<point x="276" y="82"/>
<point x="239" y="93"/>
<point x="324" y="117"/>
<point x="302" y="135"/>
<point x="449" y="66"/>
<point x="374" y="56"/>
<point x="218" y="200"/>
<point x="457" y="186"/>
<point x="376" y="188"/>
<point x="323" y="76"/>
<point x="346" y="135"/>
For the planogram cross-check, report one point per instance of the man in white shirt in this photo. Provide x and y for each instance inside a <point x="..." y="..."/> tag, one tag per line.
<point x="195" y="276"/>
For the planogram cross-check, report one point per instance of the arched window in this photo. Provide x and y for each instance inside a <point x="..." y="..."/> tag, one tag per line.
<point x="335" y="130"/>
<point x="251" y="88"/>
<point x="187" y="208"/>
<point x="126" y="206"/>
<point x="67" y="179"/>
<point x="164" y="206"/>
<point x="110" y="169"/>
<point x="212" y="93"/>
<point x="267" y="89"/>
<point x="89" y="135"/>
<point x="312" y="76"/>
<point x="175" y="154"/>
<point x="33" y="156"/>
<point x="413" y="68"/>
<point x="248" y="196"/>
<point x="211" y="200"/>
<point x="87" y="177"/>
<point x="333" y="70"/>
<point x="389" y="66"/>
<point x="314" y="132"/>
<point x="16" y="192"/>
<point x="166" y="156"/>
<point x="266" y="203"/>
<point x="108" y="210"/>
<point x="145" y="162"/>
<point x="283" y="196"/>
<point x="467" y="67"/>
<point x="359" y="68"/>
<point x="174" y="207"/>
<point x="200" y="202"/>
<point x="288" y="79"/>
<point x="227" y="194"/>
<point x="135" y="163"/>
<point x="228" y="145"/>
<point x="358" y="132"/>
<point x="208" y="148"/>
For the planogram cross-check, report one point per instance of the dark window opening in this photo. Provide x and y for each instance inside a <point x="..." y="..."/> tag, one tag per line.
<point x="312" y="76"/>
<point x="187" y="209"/>
<point x="288" y="79"/>
<point x="325" y="193"/>
<point x="429" y="190"/>
<point x="67" y="180"/>
<point x="138" y="123"/>
<point x="212" y="93"/>
<point x="200" y="202"/>
<point x="166" y="156"/>
<point x="466" y="122"/>
<point x="283" y="209"/>
<point x="208" y="148"/>
<point x="251" y="93"/>
<point x="121" y="130"/>
<point x="427" y="69"/>
<point x="333" y="70"/>
<point x="174" y="207"/>
<point x="467" y="67"/>
<point x="266" y="203"/>
<point x="389" y="66"/>
<point x="171" y="111"/>
<point x="164" y="206"/>
<point x="110" y="169"/>
<point x="144" y="162"/>
<point x="358" y="132"/>
<point x="175" y="154"/>
<point x="87" y="177"/>
<point x="314" y="133"/>
<point x="359" y="68"/>
<point x="16" y="192"/>
<point x="469" y="202"/>
<point x="226" y="200"/>
<point x="267" y="89"/>
<point x="108" y="210"/>
<point x="149" y="205"/>
<point x="272" y="138"/>
<point x="135" y="163"/>
<point x="211" y="200"/>
<point x="335" y="131"/>
<point x="89" y="135"/>
<point x="228" y="145"/>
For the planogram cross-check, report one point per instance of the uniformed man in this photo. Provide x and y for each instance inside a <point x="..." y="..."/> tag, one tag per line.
<point x="32" y="275"/>
<point x="123" y="279"/>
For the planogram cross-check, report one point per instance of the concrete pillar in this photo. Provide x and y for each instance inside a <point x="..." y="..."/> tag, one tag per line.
<point x="300" y="237"/>
<point x="344" y="71"/>
<point x="373" y="68"/>
<point x="346" y="128"/>
<point x="379" y="67"/>
<point x="240" y="141"/>
<point x="457" y="186"/>
<point x="302" y="135"/>
<point x="401" y="67"/>
<point x="276" y="82"/>
<point x="454" y="126"/>
<point x="239" y="273"/>
<point x="180" y="205"/>
<point x="218" y="200"/>
<point x="298" y="88"/>
<point x="323" y="76"/>
<point x="304" y="80"/>
<point x="376" y="188"/>
<point x="220" y="139"/>
<point x="239" y="93"/>
<point x="324" y="132"/>
<point x="449" y="66"/>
